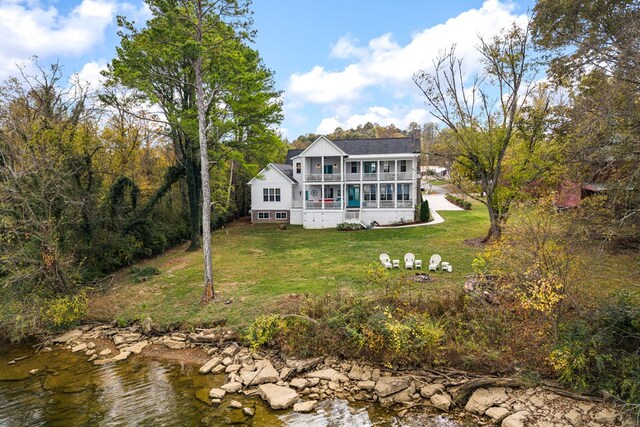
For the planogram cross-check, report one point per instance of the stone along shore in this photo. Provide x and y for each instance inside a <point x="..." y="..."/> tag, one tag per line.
<point x="300" y="383"/>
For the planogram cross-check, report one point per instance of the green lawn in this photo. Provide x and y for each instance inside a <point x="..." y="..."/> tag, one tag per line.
<point x="259" y="266"/>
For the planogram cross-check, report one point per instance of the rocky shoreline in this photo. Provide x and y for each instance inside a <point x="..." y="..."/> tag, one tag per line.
<point x="299" y="384"/>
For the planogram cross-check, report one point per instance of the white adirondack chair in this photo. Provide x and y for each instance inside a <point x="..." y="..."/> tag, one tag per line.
<point x="409" y="260"/>
<point x="434" y="262"/>
<point x="385" y="260"/>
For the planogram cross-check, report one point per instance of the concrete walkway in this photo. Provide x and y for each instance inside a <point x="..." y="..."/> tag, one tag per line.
<point x="437" y="202"/>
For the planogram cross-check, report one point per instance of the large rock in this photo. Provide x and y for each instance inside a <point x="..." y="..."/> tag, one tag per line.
<point x="497" y="413"/>
<point x="516" y="420"/>
<point x="483" y="398"/>
<point x="389" y="385"/>
<point x="329" y="375"/>
<point x="304" y="365"/>
<point x="277" y="396"/>
<point x="441" y="401"/>
<point x="66" y="337"/>
<point x="606" y="417"/>
<point x="137" y="347"/>
<point x="126" y="338"/>
<point x="217" y="393"/>
<point x="207" y="367"/>
<point x="79" y="347"/>
<point x="431" y="389"/>
<point x="573" y="417"/>
<point x="356" y="373"/>
<point x="307" y="406"/>
<point x="264" y="373"/>
<point x="123" y="355"/>
<point x="175" y="345"/>
<point x="232" y="387"/>
<point x="366" y="385"/>
<point x="299" y="383"/>
<point x="231" y="350"/>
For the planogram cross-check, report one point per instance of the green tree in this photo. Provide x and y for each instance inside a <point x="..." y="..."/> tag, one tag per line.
<point x="215" y="93"/>
<point x="487" y="122"/>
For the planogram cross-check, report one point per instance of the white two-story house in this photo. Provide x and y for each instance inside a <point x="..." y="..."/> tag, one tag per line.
<point x="330" y="182"/>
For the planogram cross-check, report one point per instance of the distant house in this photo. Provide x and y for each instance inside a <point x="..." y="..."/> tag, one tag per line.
<point x="330" y="182"/>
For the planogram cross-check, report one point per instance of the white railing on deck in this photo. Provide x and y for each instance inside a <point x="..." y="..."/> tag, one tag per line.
<point x="403" y="176"/>
<point x="353" y="177"/>
<point x="386" y="203"/>
<point x="369" y="204"/>
<point x="370" y="177"/>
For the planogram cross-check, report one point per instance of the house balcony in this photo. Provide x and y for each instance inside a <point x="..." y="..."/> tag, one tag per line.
<point x="387" y="176"/>
<point x="404" y="176"/>
<point x="370" y="177"/>
<point x="327" y="205"/>
<point x="326" y="177"/>
<point x="332" y="177"/>
<point x="317" y="177"/>
<point x="353" y="177"/>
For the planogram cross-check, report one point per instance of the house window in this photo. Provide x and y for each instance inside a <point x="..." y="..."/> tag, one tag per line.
<point x="370" y="192"/>
<point x="385" y="167"/>
<point x="263" y="215"/>
<point x="386" y="191"/>
<point x="403" y="165"/>
<point x="403" y="192"/>
<point x="354" y="167"/>
<point x="328" y="193"/>
<point x="298" y="167"/>
<point x="369" y="167"/>
<point x="281" y="215"/>
<point x="271" y="194"/>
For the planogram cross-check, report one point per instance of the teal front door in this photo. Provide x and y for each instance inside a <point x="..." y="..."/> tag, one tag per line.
<point x="353" y="200"/>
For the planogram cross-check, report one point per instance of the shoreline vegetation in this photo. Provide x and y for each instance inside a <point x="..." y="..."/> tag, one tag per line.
<point x="285" y="382"/>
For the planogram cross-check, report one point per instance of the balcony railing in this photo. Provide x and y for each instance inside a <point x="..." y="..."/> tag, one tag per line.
<point x="405" y="203"/>
<point x="387" y="176"/>
<point x="314" y="177"/>
<point x="386" y="204"/>
<point x="353" y="176"/>
<point x="333" y="177"/>
<point x="403" y="176"/>
<point x="327" y="205"/>
<point x="369" y="204"/>
<point x="370" y="177"/>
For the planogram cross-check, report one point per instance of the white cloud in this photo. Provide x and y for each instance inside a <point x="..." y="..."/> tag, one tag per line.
<point x="399" y="116"/>
<point x="90" y="74"/>
<point x="30" y="28"/>
<point x="384" y="67"/>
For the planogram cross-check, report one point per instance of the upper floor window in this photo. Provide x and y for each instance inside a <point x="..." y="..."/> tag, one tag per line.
<point x="386" y="166"/>
<point x="403" y="165"/>
<point x="271" y="194"/>
<point x="354" y="167"/>
<point x="369" y="167"/>
<point x="298" y="167"/>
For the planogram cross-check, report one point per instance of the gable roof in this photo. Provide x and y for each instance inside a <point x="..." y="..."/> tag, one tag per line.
<point x="284" y="170"/>
<point x="287" y="170"/>
<point x="378" y="146"/>
<point x="291" y="154"/>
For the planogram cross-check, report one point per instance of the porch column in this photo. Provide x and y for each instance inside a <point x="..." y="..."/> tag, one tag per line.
<point x="304" y="195"/>
<point x="361" y="170"/>
<point x="322" y="168"/>
<point x="395" y="171"/>
<point x="322" y="190"/>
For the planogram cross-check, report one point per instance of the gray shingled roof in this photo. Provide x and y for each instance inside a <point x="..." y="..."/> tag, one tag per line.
<point x="291" y="154"/>
<point x="378" y="146"/>
<point x="285" y="169"/>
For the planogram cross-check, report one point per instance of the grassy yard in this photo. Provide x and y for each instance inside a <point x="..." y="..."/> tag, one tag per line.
<point x="258" y="266"/>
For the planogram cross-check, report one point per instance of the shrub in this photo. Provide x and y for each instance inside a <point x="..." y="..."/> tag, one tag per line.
<point x="464" y="204"/>
<point x="141" y="274"/>
<point x="263" y="330"/>
<point x="425" y="214"/>
<point x="66" y="311"/>
<point x="349" y="226"/>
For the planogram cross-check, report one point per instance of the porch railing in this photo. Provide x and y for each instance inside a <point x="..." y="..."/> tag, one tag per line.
<point x="370" y="177"/>
<point x="353" y="176"/>
<point x="405" y="203"/>
<point x="386" y="203"/>
<point x="369" y="204"/>
<point x="387" y="176"/>
<point x="333" y="177"/>
<point x="314" y="177"/>
<point x="403" y="176"/>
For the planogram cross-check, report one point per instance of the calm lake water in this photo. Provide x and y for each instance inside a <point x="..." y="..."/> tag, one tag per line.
<point x="68" y="391"/>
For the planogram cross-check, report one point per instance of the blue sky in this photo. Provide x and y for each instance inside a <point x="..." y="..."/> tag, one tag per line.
<point x="339" y="63"/>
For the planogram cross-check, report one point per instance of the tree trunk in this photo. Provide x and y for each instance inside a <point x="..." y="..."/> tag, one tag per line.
<point x="209" y="293"/>
<point x="495" y="222"/>
<point x="194" y="192"/>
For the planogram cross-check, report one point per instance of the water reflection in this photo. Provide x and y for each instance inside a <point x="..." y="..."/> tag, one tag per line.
<point x="69" y="391"/>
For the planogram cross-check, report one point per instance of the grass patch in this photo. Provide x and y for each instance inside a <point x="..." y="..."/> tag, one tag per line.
<point x="257" y="266"/>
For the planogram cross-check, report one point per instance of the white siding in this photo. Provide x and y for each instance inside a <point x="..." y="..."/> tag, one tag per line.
<point x="322" y="219"/>
<point x="322" y="147"/>
<point x="271" y="178"/>
<point x="387" y="216"/>
<point x="295" y="216"/>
